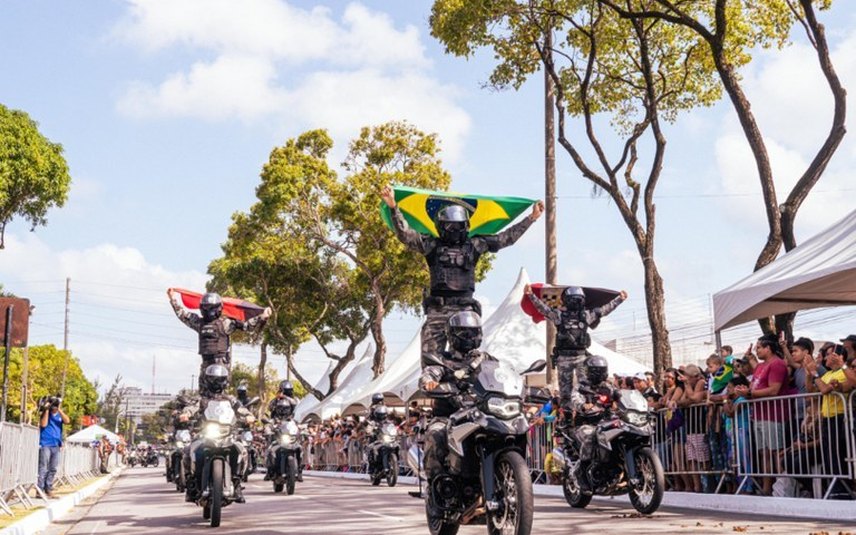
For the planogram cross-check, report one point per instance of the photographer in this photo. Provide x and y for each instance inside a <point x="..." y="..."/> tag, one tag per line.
<point x="50" y="441"/>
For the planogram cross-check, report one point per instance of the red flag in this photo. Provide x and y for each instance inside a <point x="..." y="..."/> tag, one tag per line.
<point x="552" y="296"/>
<point x="237" y="309"/>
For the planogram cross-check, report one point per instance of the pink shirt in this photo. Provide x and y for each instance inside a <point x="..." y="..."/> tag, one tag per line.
<point x="771" y="371"/>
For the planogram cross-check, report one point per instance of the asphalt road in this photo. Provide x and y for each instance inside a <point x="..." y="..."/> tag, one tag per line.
<point x="140" y="501"/>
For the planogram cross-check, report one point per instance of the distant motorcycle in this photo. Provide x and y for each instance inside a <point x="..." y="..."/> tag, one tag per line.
<point x="283" y="451"/>
<point x="176" y="456"/>
<point x="384" y="455"/>
<point x="623" y="461"/>
<point x="151" y="458"/>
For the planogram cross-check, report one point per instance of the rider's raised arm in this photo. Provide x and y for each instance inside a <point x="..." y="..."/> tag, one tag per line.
<point x="597" y="313"/>
<point x="406" y="235"/>
<point x="251" y="324"/>
<point x="188" y="318"/>
<point x="546" y="310"/>
<point x="431" y="374"/>
<point x="505" y="238"/>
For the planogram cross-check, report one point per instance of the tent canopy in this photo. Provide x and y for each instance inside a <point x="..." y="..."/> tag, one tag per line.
<point x="93" y="433"/>
<point x="821" y="272"/>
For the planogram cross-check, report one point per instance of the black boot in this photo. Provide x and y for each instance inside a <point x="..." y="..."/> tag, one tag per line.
<point x="190" y="491"/>
<point x="239" y="491"/>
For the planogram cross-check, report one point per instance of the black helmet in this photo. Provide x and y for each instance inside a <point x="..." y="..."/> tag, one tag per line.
<point x="377" y="398"/>
<point x="242" y="391"/>
<point x="597" y="369"/>
<point x="464" y="331"/>
<point x="210" y="306"/>
<point x="574" y="298"/>
<point x="282" y="409"/>
<point x="453" y="223"/>
<point x="380" y="413"/>
<point x="216" y="378"/>
<point x="286" y="388"/>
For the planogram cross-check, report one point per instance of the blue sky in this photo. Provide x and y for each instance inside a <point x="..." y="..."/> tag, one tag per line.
<point x="167" y="110"/>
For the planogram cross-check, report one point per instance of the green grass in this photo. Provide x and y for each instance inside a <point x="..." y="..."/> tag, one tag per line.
<point x="20" y="511"/>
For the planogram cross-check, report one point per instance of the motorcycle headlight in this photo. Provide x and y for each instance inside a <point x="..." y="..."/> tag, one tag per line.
<point x="285" y="439"/>
<point x="388" y="439"/>
<point x="179" y="444"/>
<point x="636" y="418"/>
<point x="211" y="430"/>
<point x="504" y="408"/>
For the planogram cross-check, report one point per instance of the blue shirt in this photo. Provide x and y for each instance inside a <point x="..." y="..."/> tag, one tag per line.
<point x="51" y="434"/>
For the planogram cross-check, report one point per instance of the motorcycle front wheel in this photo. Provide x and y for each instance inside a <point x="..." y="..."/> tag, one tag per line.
<point x="436" y="525"/>
<point x="216" y="496"/>
<point x="514" y="493"/>
<point x="573" y="495"/>
<point x="647" y="497"/>
<point x="291" y="475"/>
<point x="392" y="471"/>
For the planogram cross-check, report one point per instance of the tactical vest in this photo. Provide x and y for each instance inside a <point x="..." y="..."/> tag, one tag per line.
<point x="213" y="339"/>
<point x="572" y="334"/>
<point x="453" y="268"/>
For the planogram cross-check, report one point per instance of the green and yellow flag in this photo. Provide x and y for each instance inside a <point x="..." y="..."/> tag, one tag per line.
<point x="488" y="215"/>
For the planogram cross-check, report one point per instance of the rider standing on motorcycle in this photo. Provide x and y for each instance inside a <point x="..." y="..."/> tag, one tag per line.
<point x="452" y="260"/>
<point x="464" y="332"/>
<point x="572" y="321"/>
<point x="589" y="402"/>
<point x="215" y="379"/>
<point x="214" y="329"/>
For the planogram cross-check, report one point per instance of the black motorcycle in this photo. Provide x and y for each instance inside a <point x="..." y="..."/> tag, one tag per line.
<point x="384" y="454"/>
<point x="622" y="461"/>
<point x="217" y="450"/>
<point x="487" y="479"/>
<point x="175" y="465"/>
<point x="284" y="451"/>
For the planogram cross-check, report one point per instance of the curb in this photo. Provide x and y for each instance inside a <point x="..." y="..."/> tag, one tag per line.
<point x="56" y="509"/>
<point x="793" y="508"/>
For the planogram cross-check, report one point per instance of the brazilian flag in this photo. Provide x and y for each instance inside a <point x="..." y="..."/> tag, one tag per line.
<point x="488" y="215"/>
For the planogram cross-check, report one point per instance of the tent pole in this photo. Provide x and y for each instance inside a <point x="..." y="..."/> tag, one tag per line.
<point x="719" y="342"/>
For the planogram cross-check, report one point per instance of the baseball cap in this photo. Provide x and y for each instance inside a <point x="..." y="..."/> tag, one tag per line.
<point x="850" y="338"/>
<point x="640" y="376"/>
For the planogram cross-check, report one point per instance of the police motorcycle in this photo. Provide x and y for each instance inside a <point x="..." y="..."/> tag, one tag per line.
<point x="244" y="435"/>
<point x="284" y="451"/>
<point x="623" y="461"/>
<point x="152" y="458"/>
<point x="383" y="453"/>
<point x="487" y="479"/>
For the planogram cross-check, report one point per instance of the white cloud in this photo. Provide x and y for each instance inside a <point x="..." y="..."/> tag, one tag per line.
<point x="289" y="65"/>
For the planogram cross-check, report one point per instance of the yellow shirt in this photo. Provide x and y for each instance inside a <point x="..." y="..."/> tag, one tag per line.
<point x="832" y="404"/>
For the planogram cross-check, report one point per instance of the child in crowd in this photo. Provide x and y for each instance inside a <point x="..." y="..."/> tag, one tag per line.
<point x="737" y="426"/>
<point x="720" y="373"/>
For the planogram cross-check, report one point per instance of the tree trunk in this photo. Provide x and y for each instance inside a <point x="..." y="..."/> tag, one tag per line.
<point x="262" y="387"/>
<point x="289" y="358"/>
<point x="656" y="307"/>
<point x="377" y="334"/>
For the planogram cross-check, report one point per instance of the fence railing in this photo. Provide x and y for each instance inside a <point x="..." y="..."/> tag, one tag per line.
<point x="19" y="465"/>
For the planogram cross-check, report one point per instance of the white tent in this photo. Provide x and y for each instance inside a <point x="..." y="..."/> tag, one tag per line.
<point x="359" y="375"/>
<point x="91" y="434"/>
<point x="509" y="334"/>
<point x="820" y="272"/>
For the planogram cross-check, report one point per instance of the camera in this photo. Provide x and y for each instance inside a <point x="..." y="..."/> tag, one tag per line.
<point x="49" y="402"/>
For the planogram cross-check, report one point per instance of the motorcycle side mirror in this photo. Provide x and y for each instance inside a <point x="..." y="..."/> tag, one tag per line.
<point x="537" y="394"/>
<point x="536" y="366"/>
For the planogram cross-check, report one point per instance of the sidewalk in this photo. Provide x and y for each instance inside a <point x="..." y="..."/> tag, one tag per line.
<point x="794" y="508"/>
<point x="42" y="517"/>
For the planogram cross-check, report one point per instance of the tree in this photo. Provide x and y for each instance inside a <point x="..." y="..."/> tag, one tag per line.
<point x="730" y="31"/>
<point x="46" y="363"/>
<point x="637" y="74"/>
<point x="33" y="173"/>
<point x="314" y="249"/>
<point x="112" y="404"/>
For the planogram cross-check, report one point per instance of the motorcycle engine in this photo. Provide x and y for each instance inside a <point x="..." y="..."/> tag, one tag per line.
<point x="446" y="492"/>
<point x="602" y="475"/>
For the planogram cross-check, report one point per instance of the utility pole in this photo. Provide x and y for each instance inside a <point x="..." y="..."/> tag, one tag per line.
<point x="65" y="336"/>
<point x="550" y="198"/>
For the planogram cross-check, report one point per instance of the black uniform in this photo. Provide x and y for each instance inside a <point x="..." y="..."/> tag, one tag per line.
<point x="214" y="343"/>
<point x="572" y="339"/>
<point x="452" y="267"/>
<point x="436" y="447"/>
<point x="281" y="409"/>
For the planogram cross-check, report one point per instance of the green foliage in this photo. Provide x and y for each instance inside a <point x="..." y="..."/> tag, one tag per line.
<point x="44" y="376"/>
<point x="33" y="173"/>
<point x="111" y="404"/>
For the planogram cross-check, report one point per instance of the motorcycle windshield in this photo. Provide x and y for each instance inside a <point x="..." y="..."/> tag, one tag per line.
<point x="500" y="378"/>
<point x="220" y="411"/>
<point x="632" y="400"/>
<point x="183" y="436"/>
<point x="389" y="429"/>
<point x="288" y="427"/>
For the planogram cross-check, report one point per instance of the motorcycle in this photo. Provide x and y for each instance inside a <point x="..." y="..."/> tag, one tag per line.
<point x="151" y="458"/>
<point x="384" y="455"/>
<point x="133" y="459"/>
<point x="246" y="438"/>
<point x="623" y="461"/>
<point x="217" y="448"/>
<point x="175" y="473"/>
<point x="487" y="479"/>
<point x="283" y="451"/>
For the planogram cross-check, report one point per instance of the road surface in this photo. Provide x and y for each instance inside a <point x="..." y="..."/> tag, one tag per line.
<point x="140" y="501"/>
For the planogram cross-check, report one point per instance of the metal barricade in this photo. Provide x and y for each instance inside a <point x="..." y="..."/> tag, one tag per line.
<point x="78" y="463"/>
<point x="805" y="437"/>
<point x="19" y="459"/>
<point x="692" y="445"/>
<point x="539" y="445"/>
